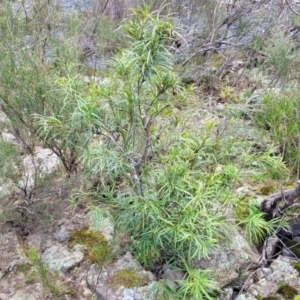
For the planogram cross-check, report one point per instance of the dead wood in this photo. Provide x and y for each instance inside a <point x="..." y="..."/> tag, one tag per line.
<point x="276" y="204"/>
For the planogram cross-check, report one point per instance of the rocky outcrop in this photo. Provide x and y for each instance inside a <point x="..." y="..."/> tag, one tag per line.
<point x="232" y="256"/>
<point x="8" y="249"/>
<point x="269" y="281"/>
<point x="61" y="258"/>
<point x="42" y="162"/>
<point x="31" y="292"/>
<point x="124" y="279"/>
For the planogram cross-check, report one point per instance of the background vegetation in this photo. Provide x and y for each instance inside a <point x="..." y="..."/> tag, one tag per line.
<point x="135" y="109"/>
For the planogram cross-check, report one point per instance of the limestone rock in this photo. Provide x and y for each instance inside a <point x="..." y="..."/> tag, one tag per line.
<point x="173" y="274"/>
<point x="108" y="282"/>
<point x="281" y="271"/>
<point x="9" y="137"/>
<point x="60" y="258"/>
<point x="41" y="163"/>
<point x="106" y="228"/>
<point x="31" y="292"/>
<point x="229" y="258"/>
<point x="227" y="294"/>
<point x="7" y="187"/>
<point x="8" y="249"/>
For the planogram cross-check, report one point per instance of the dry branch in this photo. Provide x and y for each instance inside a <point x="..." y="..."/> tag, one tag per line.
<point x="275" y="204"/>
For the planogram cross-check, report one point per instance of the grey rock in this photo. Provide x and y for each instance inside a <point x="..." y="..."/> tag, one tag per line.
<point x="280" y="272"/>
<point x="128" y="294"/>
<point x="283" y="264"/>
<point x="245" y="191"/>
<point x="259" y="274"/>
<point x="266" y="271"/>
<point x="264" y="288"/>
<point x="39" y="241"/>
<point x="62" y="234"/>
<point x="31" y="292"/>
<point x="60" y="258"/>
<point x="142" y="293"/>
<point x="106" y="227"/>
<point x="242" y="297"/>
<point x="7" y="187"/>
<point x="42" y="162"/>
<point x="8" y="249"/>
<point x="3" y="117"/>
<point x="99" y="282"/>
<point x="63" y="227"/>
<point x="276" y="277"/>
<point x="230" y="257"/>
<point x="227" y="294"/>
<point x="271" y="246"/>
<point x="9" y="137"/>
<point x="173" y="274"/>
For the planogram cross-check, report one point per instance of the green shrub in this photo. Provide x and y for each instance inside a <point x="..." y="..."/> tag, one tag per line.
<point x="279" y="116"/>
<point x="40" y="63"/>
<point x="282" y="55"/>
<point x="50" y="281"/>
<point x="31" y="58"/>
<point x="167" y="184"/>
<point x="10" y="163"/>
<point x="257" y="227"/>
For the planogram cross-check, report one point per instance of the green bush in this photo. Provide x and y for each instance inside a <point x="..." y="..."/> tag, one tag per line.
<point x="10" y="162"/>
<point x="257" y="227"/>
<point x="279" y="118"/>
<point x="282" y="56"/>
<point x="50" y="281"/>
<point x="166" y="183"/>
<point x="31" y="59"/>
<point x="41" y="57"/>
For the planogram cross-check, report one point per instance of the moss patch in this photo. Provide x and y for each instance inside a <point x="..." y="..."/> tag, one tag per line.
<point x="287" y="291"/>
<point x="94" y="241"/>
<point x="266" y="190"/>
<point x="297" y="297"/>
<point x="241" y="210"/>
<point x="297" y="267"/>
<point x="127" y="278"/>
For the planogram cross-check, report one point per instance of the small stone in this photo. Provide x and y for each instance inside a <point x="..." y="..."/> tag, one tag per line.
<point x="271" y="246"/>
<point x="62" y="235"/>
<point x="266" y="271"/>
<point x="241" y="297"/>
<point x="227" y="295"/>
<point x="260" y="274"/>
<point x="248" y="283"/>
<point x="175" y="275"/>
<point x="276" y="277"/>
<point x="128" y="294"/>
<point x="60" y="258"/>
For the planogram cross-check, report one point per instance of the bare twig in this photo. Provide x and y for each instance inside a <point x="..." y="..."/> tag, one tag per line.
<point x="291" y="7"/>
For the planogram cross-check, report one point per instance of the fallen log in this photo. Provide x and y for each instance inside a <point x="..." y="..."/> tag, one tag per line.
<point x="276" y="204"/>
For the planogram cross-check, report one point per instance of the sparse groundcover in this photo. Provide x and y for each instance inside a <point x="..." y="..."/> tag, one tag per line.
<point x="51" y="283"/>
